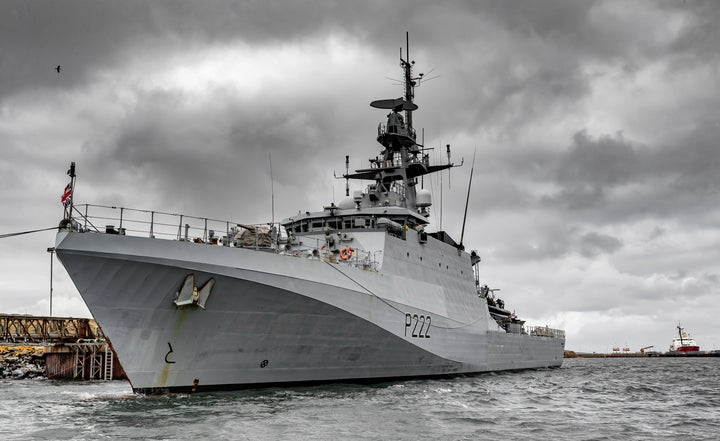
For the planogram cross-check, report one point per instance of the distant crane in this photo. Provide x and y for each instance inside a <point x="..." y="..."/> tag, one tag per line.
<point x="642" y="350"/>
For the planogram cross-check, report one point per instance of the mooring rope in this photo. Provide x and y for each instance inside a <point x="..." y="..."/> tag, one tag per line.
<point x="3" y="236"/>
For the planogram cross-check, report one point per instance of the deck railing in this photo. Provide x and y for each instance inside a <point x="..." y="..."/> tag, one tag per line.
<point x="544" y="331"/>
<point x="160" y="224"/>
<point x="384" y="128"/>
<point x="173" y="226"/>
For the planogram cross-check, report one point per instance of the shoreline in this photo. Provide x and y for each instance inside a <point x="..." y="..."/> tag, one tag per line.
<point x="573" y="354"/>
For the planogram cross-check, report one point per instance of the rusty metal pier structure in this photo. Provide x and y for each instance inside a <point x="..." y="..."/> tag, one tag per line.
<point x="39" y="329"/>
<point x="74" y="348"/>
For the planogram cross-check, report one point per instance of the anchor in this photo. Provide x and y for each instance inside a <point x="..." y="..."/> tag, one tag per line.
<point x="190" y="295"/>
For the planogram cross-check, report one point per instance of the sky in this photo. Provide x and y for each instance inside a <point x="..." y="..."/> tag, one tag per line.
<point x="594" y="203"/>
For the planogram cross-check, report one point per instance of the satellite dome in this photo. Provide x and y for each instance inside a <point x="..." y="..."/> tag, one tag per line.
<point x="346" y="204"/>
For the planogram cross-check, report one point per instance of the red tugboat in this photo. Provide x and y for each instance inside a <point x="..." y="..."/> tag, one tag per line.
<point x="683" y="342"/>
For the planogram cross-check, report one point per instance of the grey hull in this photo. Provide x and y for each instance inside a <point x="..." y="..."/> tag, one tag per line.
<point x="271" y="319"/>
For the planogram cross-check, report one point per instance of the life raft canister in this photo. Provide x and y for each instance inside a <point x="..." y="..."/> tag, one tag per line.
<point x="346" y="253"/>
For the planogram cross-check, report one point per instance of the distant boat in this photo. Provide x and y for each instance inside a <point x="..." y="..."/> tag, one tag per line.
<point x="683" y="342"/>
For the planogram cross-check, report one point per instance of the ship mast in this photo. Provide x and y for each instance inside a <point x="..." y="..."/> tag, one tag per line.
<point x="402" y="160"/>
<point x="409" y="81"/>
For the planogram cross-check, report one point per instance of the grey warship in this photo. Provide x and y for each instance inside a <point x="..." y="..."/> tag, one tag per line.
<point x="358" y="291"/>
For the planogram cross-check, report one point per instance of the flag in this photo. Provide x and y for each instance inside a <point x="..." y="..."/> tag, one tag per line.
<point x="67" y="195"/>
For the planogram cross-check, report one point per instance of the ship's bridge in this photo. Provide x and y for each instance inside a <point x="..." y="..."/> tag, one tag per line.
<point x="333" y="218"/>
<point x="395" y="134"/>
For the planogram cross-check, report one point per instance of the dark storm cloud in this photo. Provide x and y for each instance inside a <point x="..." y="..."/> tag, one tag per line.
<point x="698" y="42"/>
<point x="666" y="180"/>
<point x="565" y="242"/>
<point x="530" y="55"/>
<point x="603" y="162"/>
<point x="531" y="62"/>
<point x="185" y="150"/>
<point x="694" y="161"/>
<point x="83" y="36"/>
<point x="79" y="36"/>
<point x="591" y="167"/>
<point x="593" y="244"/>
<point x="611" y="178"/>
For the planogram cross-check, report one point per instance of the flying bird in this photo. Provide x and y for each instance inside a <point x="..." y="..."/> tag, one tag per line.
<point x="58" y="68"/>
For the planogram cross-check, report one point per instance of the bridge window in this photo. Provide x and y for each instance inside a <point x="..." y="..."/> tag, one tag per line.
<point x="334" y="223"/>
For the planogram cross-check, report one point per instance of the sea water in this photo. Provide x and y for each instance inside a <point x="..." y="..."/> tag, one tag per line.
<point x="586" y="399"/>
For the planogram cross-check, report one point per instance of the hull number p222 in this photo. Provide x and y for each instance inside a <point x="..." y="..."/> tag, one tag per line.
<point x="417" y="326"/>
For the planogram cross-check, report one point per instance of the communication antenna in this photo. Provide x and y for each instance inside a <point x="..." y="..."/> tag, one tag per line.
<point x="347" y="172"/>
<point x="422" y="178"/>
<point x="467" y="200"/>
<point x="441" y="198"/>
<point x="272" y="191"/>
<point x="448" y="154"/>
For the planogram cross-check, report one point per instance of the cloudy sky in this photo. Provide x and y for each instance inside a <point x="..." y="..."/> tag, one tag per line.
<point x="596" y="188"/>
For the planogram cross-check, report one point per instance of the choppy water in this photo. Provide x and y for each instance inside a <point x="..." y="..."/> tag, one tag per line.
<point x="587" y="399"/>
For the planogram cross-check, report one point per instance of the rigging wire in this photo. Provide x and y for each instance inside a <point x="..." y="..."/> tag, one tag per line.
<point x="394" y="307"/>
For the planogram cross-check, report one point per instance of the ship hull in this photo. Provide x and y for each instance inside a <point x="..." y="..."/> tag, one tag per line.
<point x="688" y="349"/>
<point x="271" y="319"/>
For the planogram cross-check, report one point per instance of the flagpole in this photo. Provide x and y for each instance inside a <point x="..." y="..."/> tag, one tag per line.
<point x="71" y="172"/>
<point x="51" y="250"/>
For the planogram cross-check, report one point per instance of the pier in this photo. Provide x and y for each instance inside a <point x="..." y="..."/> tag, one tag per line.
<point x="70" y="348"/>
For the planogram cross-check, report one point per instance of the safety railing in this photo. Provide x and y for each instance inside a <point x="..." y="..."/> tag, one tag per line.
<point x="317" y="249"/>
<point x="172" y="226"/>
<point x="544" y="331"/>
<point x="397" y="129"/>
<point x="160" y="224"/>
<point x="361" y="259"/>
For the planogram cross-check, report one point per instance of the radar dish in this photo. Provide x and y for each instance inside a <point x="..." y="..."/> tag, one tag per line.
<point x="397" y="104"/>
